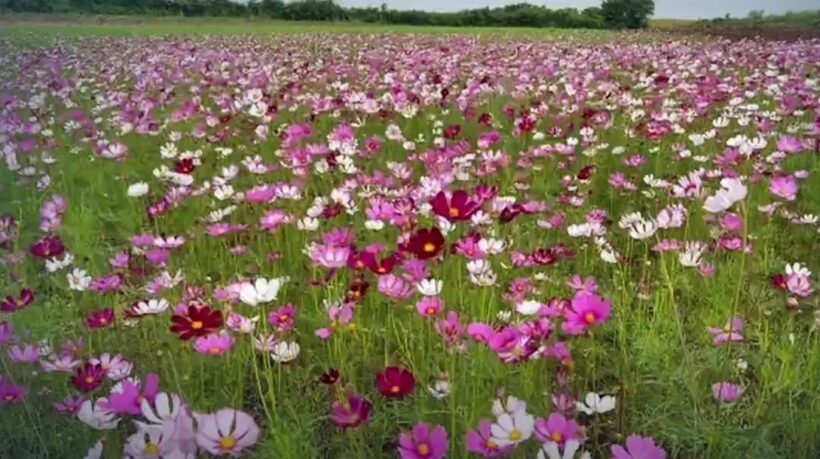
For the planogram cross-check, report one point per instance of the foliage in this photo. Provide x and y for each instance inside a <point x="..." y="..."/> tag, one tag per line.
<point x="627" y="14"/>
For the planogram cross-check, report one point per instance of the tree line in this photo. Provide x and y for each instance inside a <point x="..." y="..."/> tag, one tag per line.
<point x="631" y="14"/>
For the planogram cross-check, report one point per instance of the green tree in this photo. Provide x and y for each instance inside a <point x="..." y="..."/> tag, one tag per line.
<point x="627" y="14"/>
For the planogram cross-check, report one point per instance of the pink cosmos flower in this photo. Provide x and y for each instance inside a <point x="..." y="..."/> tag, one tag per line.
<point x="339" y="315"/>
<point x="226" y="432"/>
<point x="480" y="332"/>
<point x="215" y="344"/>
<point x="273" y="219"/>
<point x="450" y="328"/>
<point x="25" y="354"/>
<point x="732" y="222"/>
<point x="638" y="447"/>
<point x="6" y="332"/>
<point x="727" y="392"/>
<point x="329" y="256"/>
<point x="424" y="442"/>
<point x="352" y="412"/>
<point x="587" y="285"/>
<point x="587" y="310"/>
<point x="128" y="400"/>
<point x="480" y="442"/>
<point x="284" y="318"/>
<point x="12" y="304"/>
<point x="556" y="428"/>
<point x="799" y="284"/>
<point x="784" y="186"/>
<point x="395" y="287"/>
<point x="69" y="405"/>
<point x="730" y="333"/>
<point x="430" y="306"/>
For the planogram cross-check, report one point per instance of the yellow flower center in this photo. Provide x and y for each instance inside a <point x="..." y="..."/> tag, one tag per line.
<point x="429" y="247"/>
<point x="351" y="327"/>
<point x="516" y="435"/>
<point x="556" y="437"/>
<point x="454" y="212"/>
<point x="197" y="325"/>
<point x="215" y="350"/>
<point x="491" y="444"/>
<point x="152" y="449"/>
<point x="89" y="379"/>
<point x="382" y="270"/>
<point x="430" y="311"/>
<point x="20" y="304"/>
<point x="590" y="317"/>
<point x="9" y="397"/>
<point x="227" y="443"/>
<point x="424" y="450"/>
<point x="103" y="321"/>
<point x="284" y="318"/>
<point x="395" y="389"/>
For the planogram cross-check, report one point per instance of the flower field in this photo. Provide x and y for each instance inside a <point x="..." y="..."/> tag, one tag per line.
<point x="372" y="245"/>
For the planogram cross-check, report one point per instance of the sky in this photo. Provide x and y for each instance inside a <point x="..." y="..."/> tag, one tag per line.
<point x="667" y="9"/>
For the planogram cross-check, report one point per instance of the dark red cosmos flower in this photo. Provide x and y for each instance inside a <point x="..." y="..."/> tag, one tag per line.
<point x="88" y="377"/>
<point x="586" y="173"/>
<point x="352" y="412"/>
<point x="426" y="243"/>
<point x="380" y="267"/>
<point x="452" y="131"/>
<point x="779" y="282"/>
<point x="544" y="257"/>
<point x="184" y="166"/>
<point x="329" y="377"/>
<point x="357" y="290"/>
<point x="100" y="319"/>
<point x="458" y="207"/>
<point x="485" y="119"/>
<point x="48" y="247"/>
<point x="12" y="304"/>
<point x="199" y="321"/>
<point x="395" y="382"/>
<point x="510" y="212"/>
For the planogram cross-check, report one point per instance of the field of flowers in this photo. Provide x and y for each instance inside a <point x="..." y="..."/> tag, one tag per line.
<point x="354" y="246"/>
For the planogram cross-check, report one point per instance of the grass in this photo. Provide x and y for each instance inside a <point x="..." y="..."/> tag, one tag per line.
<point x="655" y="355"/>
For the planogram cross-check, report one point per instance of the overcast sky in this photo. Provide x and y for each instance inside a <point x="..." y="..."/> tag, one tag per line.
<point x="678" y="9"/>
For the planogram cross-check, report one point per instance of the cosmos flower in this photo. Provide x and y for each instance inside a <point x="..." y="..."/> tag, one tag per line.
<point x="457" y="207"/>
<point x="595" y="403"/>
<point x="395" y="382"/>
<point x="89" y="377"/>
<point x="556" y="428"/>
<point x="226" y="432"/>
<point x="284" y="352"/>
<point x="784" y="187"/>
<point x="638" y="447"/>
<point x="727" y="392"/>
<point x="587" y="311"/>
<point x="48" y="247"/>
<point x="426" y="243"/>
<point x="128" y="400"/>
<point x="12" y="304"/>
<point x="512" y="428"/>
<point x="11" y="394"/>
<point x="260" y="291"/>
<point x="196" y="322"/>
<point x="424" y="442"/>
<point x="730" y="333"/>
<point x="731" y="192"/>
<point x="94" y="415"/>
<point x="102" y="318"/>
<point x="352" y="412"/>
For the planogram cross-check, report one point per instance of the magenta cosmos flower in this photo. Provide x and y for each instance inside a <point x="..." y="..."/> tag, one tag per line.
<point x="458" y="207"/>
<point x="730" y="333"/>
<point x="128" y="400"/>
<point x="424" y="442"/>
<point x="395" y="382"/>
<point x="587" y="310"/>
<point x="727" y="392"/>
<point x="48" y="247"/>
<point x="556" y="428"/>
<point x="11" y="393"/>
<point x="638" y="447"/>
<point x="12" y="304"/>
<point x="351" y="413"/>
<point x="89" y="377"/>
<point x="480" y="441"/>
<point x="100" y="319"/>
<point x="226" y="432"/>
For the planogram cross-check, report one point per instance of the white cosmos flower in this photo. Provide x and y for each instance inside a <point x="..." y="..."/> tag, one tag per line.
<point x="138" y="189"/>
<point x="308" y="224"/>
<point x="732" y="190"/>
<point x="510" y="406"/>
<point x="528" y="307"/>
<point x="481" y="218"/>
<point x="642" y="230"/>
<point x="166" y="407"/>
<point x="550" y="450"/>
<point x="629" y="220"/>
<point x="445" y="226"/>
<point x="440" y="389"/>
<point x="492" y="246"/>
<point x="56" y="264"/>
<point x="152" y="442"/>
<point x="799" y="269"/>
<point x="430" y="287"/>
<point x="284" y="352"/>
<point x="261" y="291"/>
<point x="374" y="225"/>
<point x="152" y="306"/>
<point x="512" y="429"/>
<point x="96" y="451"/>
<point x="92" y="414"/>
<point x="78" y="280"/>
<point x="595" y="403"/>
<point x="477" y="267"/>
<point x="692" y="254"/>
